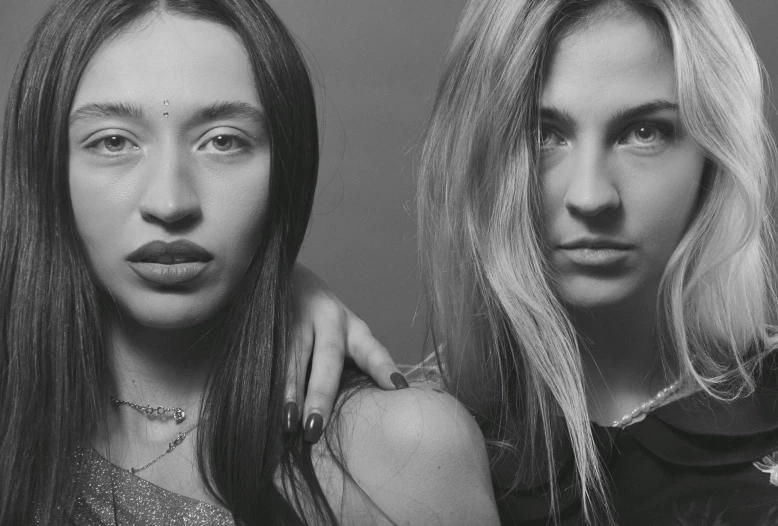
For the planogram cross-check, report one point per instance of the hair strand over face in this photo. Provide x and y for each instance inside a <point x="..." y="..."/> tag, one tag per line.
<point x="507" y="346"/>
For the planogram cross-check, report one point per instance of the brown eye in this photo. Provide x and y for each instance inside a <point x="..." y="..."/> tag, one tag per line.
<point x="646" y="134"/>
<point x="114" y="143"/>
<point x="223" y="143"/>
<point x="548" y="138"/>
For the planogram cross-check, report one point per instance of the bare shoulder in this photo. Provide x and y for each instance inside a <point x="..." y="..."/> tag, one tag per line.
<point x="414" y="456"/>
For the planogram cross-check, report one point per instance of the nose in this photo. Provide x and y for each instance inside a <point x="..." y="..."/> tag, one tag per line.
<point x="592" y="189"/>
<point x="169" y="197"/>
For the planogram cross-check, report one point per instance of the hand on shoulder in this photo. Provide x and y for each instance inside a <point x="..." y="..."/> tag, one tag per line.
<point x="416" y="455"/>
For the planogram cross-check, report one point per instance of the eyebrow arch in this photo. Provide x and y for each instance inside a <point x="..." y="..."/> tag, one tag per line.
<point x="102" y="110"/>
<point x="648" y="108"/>
<point x="227" y="110"/>
<point x="559" y="116"/>
<point x="216" y="111"/>
<point x="624" y="115"/>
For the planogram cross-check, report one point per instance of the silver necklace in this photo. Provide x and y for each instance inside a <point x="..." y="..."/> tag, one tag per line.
<point x="178" y="414"/>
<point x="648" y="406"/>
<point x="174" y="444"/>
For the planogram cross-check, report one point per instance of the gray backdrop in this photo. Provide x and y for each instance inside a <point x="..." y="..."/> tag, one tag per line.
<point x="375" y="63"/>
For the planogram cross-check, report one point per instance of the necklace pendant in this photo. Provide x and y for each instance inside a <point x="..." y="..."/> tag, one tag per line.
<point x="174" y="444"/>
<point x="179" y="415"/>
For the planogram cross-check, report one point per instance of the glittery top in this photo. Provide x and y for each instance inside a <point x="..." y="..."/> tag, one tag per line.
<point x="113" y="496"/>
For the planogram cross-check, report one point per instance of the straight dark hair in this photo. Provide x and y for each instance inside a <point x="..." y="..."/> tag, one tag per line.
<point x="52" y="388"/>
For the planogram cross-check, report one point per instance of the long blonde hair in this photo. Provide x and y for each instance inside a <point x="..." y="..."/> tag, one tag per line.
<point x="510" y="352"/>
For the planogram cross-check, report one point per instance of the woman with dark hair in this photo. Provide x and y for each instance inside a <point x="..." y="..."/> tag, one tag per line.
<point x="158" y="170"/>
<point x="594" y="222"/>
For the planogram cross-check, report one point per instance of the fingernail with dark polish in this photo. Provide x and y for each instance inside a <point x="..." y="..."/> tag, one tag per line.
<point x="399" y="381"/>
<point x="313" y="428"/>
<point x="291" y="417"/>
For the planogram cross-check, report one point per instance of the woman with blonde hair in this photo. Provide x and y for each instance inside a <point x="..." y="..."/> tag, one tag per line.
<point x="595" y="236"/>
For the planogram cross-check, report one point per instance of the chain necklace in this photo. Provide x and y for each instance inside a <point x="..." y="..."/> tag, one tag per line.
<point x="648" y="406"/>
<point x="174" y="444"/>
<point x="178" y="414"/>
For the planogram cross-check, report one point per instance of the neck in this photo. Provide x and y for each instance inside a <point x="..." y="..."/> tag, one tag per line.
<point x="158" y="367"/>
<point x="621" y="359"/>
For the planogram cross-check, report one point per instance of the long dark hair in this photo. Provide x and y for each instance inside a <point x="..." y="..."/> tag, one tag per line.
<point x="51" y="353"/>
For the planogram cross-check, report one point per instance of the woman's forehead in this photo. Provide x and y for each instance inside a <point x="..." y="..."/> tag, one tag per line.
<point x="170" y="57"/>
<point x="613" y="61"/>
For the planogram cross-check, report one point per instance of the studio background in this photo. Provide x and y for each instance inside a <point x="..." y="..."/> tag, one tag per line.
<point x="374" y="63"/>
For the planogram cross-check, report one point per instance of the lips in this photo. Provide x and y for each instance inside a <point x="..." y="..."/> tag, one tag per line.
<point x="180" y="251"/>
<point x="167" y="264"/>
<point x="596" y="243"/>
<point x="596" y="252"/>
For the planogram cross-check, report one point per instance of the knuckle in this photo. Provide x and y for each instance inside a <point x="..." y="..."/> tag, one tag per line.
<point x="320" y="397"/>
<point x="360" y="328"/>
<point x="331" y="347"/>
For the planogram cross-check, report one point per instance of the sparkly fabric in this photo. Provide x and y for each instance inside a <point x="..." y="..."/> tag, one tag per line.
<point x="112" y="496"/>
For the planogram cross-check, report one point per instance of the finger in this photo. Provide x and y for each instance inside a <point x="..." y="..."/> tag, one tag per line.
<point x="302" y="346"/>
<point x="326" y="368"/>
<point x="372" y="358"/>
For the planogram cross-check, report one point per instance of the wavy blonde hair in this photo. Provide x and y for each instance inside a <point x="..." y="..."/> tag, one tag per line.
<point x="511" y="353"/>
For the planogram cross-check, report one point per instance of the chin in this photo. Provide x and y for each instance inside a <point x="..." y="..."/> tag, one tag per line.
<point x="170" y="311"/>
<point x="592" y="293"/>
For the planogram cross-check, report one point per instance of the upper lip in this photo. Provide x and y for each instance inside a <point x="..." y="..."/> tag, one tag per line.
<point x="595" y="242"/>
<point x="182" y="248"/>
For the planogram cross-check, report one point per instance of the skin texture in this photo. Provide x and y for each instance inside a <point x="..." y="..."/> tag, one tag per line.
<point x="146" y="176"/>
<point x="418" y="454"/>
<point x="632" y="181"/>
<point x="168" y="179"/>
<point x="605" y="177"/>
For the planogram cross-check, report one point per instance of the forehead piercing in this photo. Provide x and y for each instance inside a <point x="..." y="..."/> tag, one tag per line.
<point x="166" y="114"/>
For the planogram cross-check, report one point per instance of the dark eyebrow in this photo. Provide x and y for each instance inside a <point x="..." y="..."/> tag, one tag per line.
<point x="551" y="113"/>
<point x="227" y="110"/>
<point x="566" y="120"/>
<point x="103" y="110"/>
<point x="630" y="114"/>
<point x="216" y="111"/>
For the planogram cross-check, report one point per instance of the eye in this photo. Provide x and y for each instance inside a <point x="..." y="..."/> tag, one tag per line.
<point x="226" y="143"/>
<point x="223" y="142"/>
<point x="647" y="134"/>
<point x="549" y="138"/>
<point x="112" y="145"/>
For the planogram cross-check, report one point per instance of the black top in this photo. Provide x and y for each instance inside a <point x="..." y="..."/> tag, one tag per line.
<point x="695" y="461"/>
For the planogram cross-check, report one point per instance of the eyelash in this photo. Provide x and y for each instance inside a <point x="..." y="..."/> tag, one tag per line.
<point x="241" y="143"/>
<point x="666" y="132"/>
<point x="94" y="145"/>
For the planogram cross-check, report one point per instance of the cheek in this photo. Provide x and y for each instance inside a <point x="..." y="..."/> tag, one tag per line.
<point x="553" y="186"/>
<point x="238" y="212"/>
<point x="669" y="204"/>
<point x="98" y="206"/>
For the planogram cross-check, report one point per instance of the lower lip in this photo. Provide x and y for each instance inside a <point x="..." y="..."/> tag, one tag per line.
<point x="174" y="274"/>
<point x="596" y="257"/>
